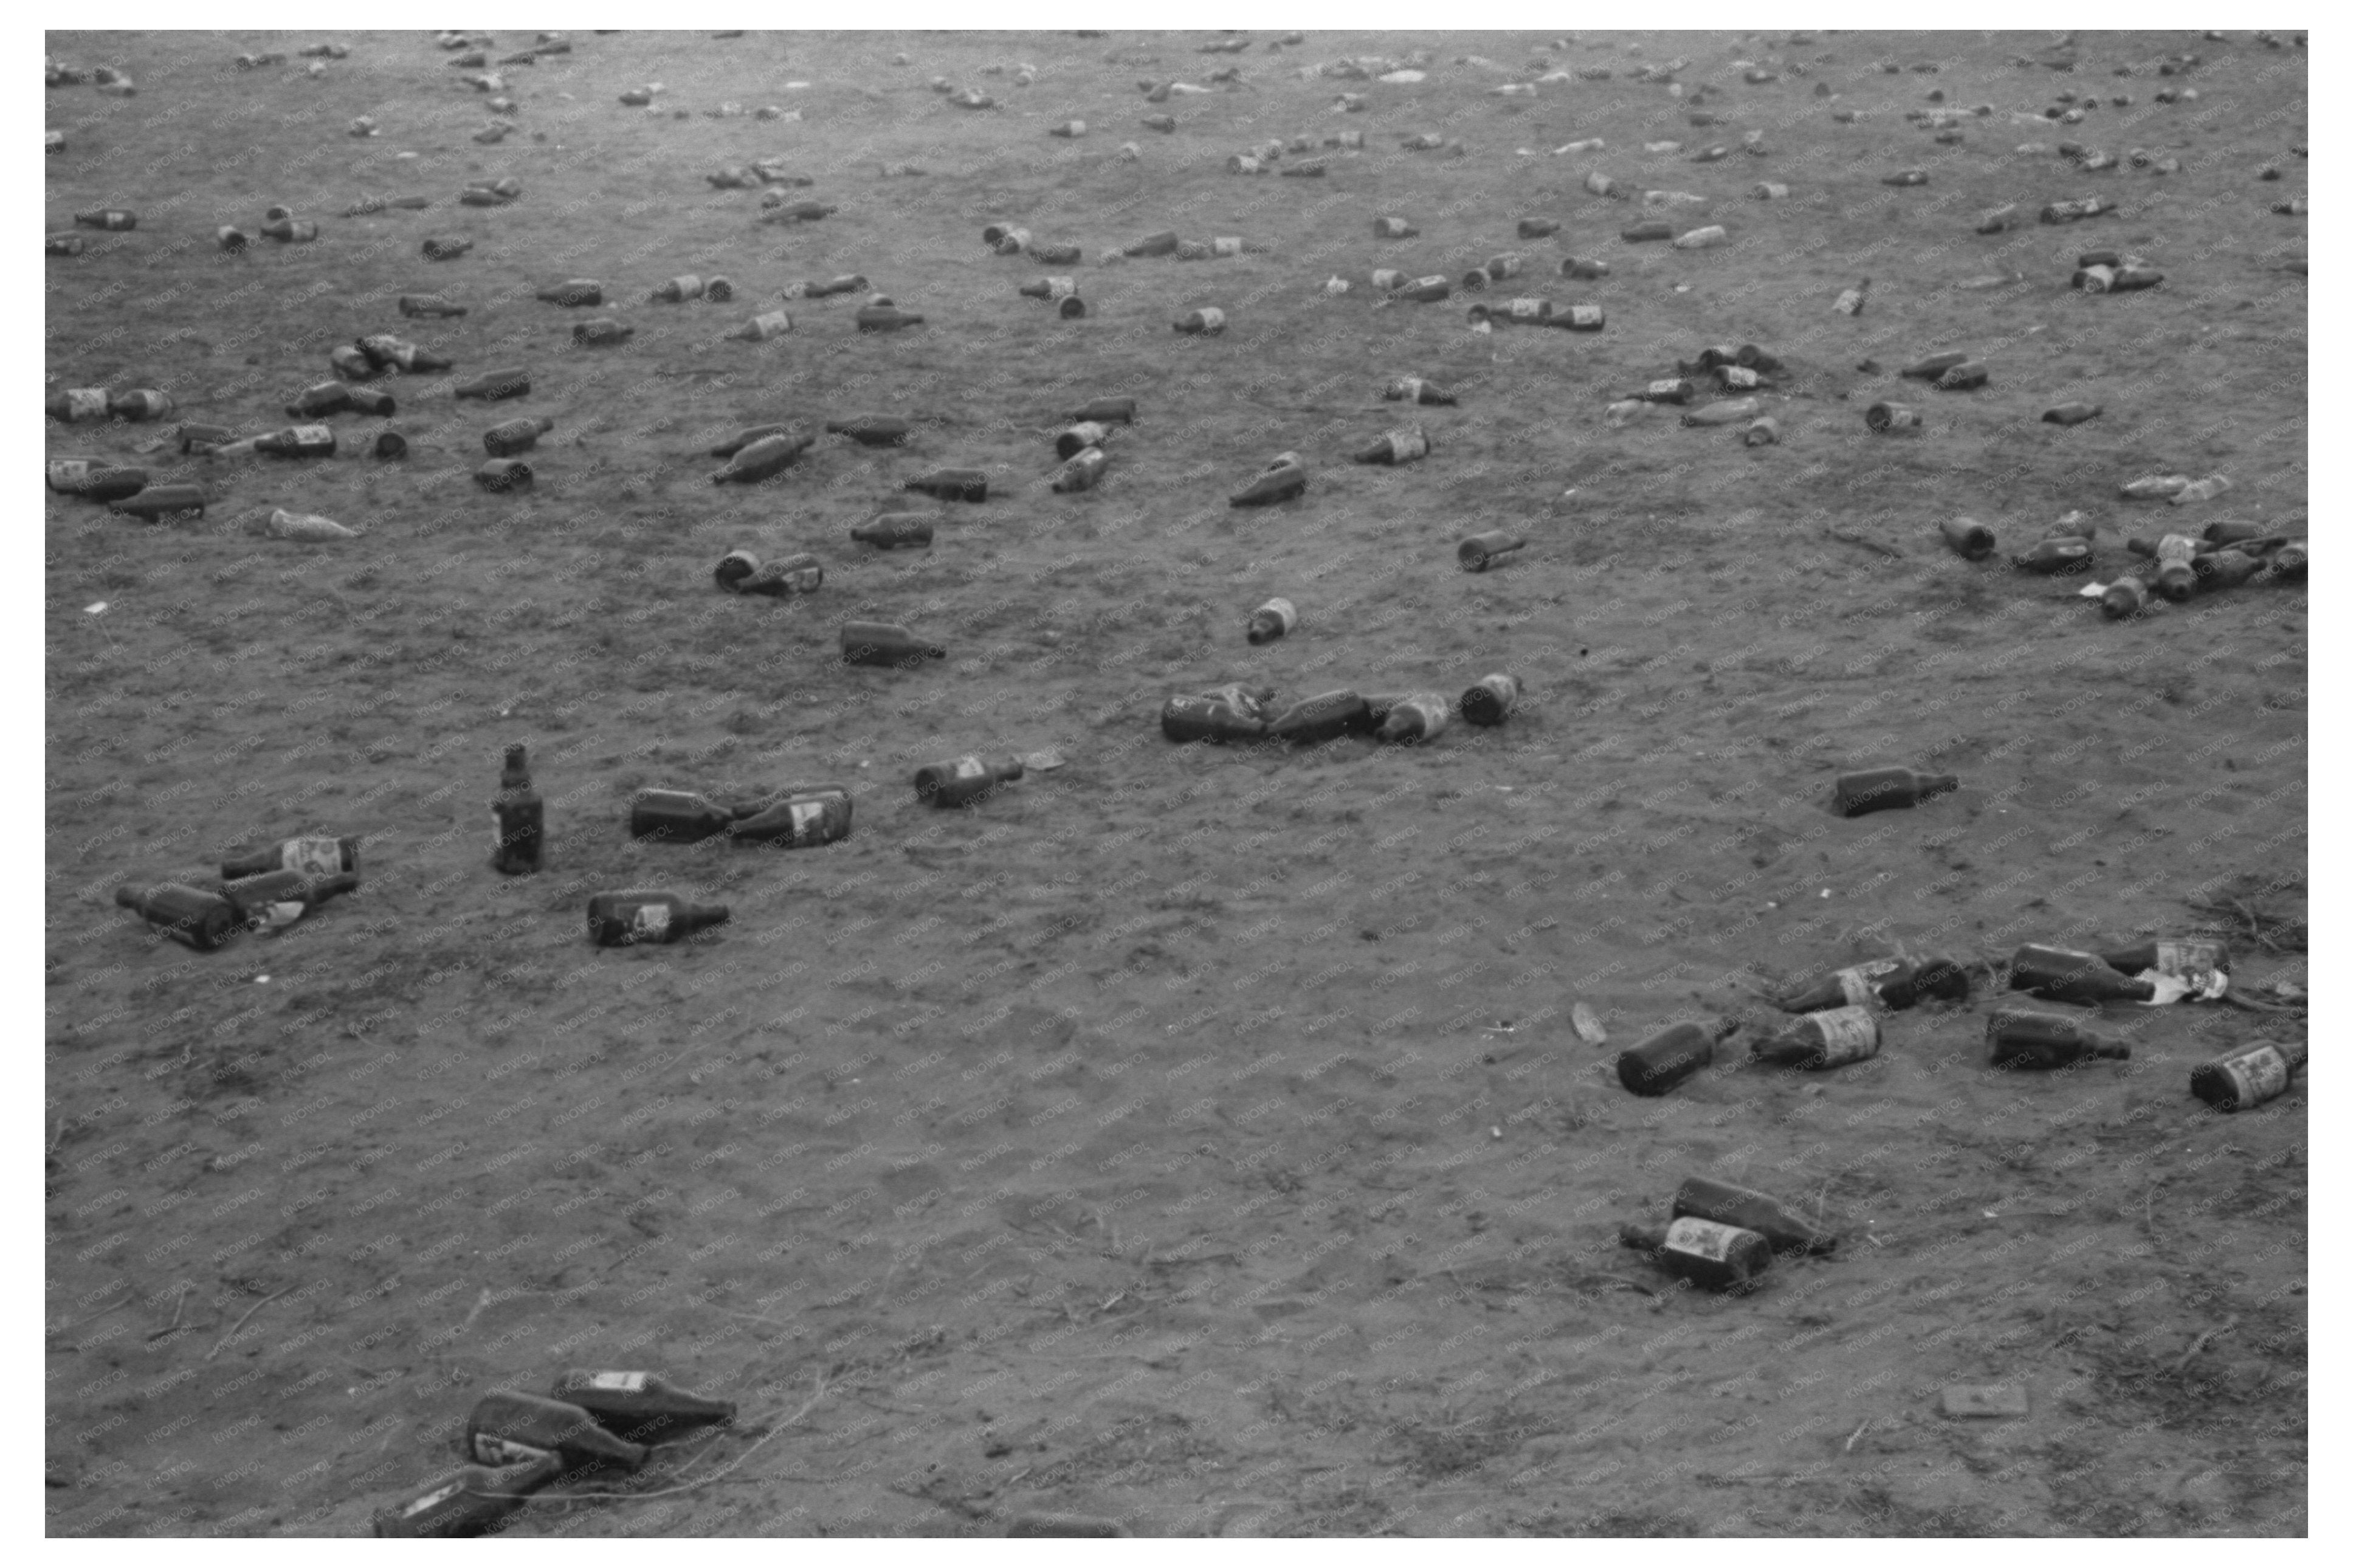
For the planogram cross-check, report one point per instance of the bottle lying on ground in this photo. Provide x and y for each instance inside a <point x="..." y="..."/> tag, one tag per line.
<point x="1885" y="789"/>
<point x="1414" y="389"/>
<point x="318" y="855"/>
<point x="2226" y="569"/>
<point x="1481" y="551"/>
<point x="781" y="579"/>
<point x="1788" y="1231"/>
<point x="1231" y="715"/>
<point x="279" y="899"/>
<point x="1105" y="411"/>
<point x="1491" y="700"/>
<point x="2054" y="556"/>
<point x="802" y="817"/>
<point x="1327" y="716"/>
<point x="1201" y="323"/>
<point x="2248" y="1075"/>
<point x="1396" y="447"/>
<point x="519" y="816"/>
<point x="189" y="916"/>
<point x="1270" y="620"/>
<point x="2043" y="1041"/>
<point x="885" y="319"/>
<point x="2126" y="597"/>
<point x="157" y="501"/>
<point x="501" y="475"/>
<point x="1282" y="479"/>
<point x="963" y="780"/>
<point x="1716" y="1256"/>
<point x="640" y="916"/>
<point x="94" y="479"/>
<point x="895" y="531"/>
<point x="951" y="484"/>
<point x="1409" y="719"/>
<point x="1676" y="1052"/>
<point x="1083" y="471"/>
<point x="642" y="1406"/>
<point x="871" y="430"/>
<point x="1895" y="984"/>
<point x="878" y="642"/>
<point x="429" y="305"/>
<point x="386" y="352"/>
<point x="302" y="441"/>
<point x="1821" y="1040"/>
<point x="676" y="816"/>
<point x="1078" y="437"/>
<point x="469" y="1502"/>
<point x="2064" y="974"/>
<point x="763" y="459"/>
<point x="492" y="385"/>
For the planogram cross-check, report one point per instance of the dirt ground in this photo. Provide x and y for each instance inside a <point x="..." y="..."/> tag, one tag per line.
<point x="1192" y="1135"/>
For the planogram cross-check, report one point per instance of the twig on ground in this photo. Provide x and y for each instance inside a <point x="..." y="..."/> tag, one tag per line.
<point x="241" y="1321"/>
<point x="179" y="1304"/>
<point x="1856" y="1434"/>
<point x="2200" y="1343"/>
<point x="1887" y="550"/>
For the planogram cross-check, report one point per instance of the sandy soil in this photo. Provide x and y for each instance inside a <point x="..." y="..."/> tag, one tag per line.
<point x="1194" y="1136"/>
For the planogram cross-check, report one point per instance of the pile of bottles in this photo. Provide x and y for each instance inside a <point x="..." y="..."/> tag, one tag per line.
<point x="265" y="890"/>
<point x="1724" y="1237"/>
<point x="516" y="1445"/>
<point x="1241" y="715"/>
<point x="2226" y="555"/>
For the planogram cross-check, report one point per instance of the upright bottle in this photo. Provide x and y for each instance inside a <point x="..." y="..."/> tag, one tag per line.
<point x="320" y="856"/>
<point x="642" y="1406"/>
<point x="879" y="642"/>
<point x="802" y="818"/>
<point x="963" y="780"/>
<point x="2062" y="974"/>
<point x="1671" y="1056"/>
<point x="2248" y="1075"/>
<point x="507" y="1427"/>
<point x="520" y="816"/>
<point x="1819" y="1041"/>
<point x="2043" y="1041"/>
<point x="469" y="1502"/>
<point x="676" y="816"/>
<point x="187" y="915"/>
<point x="1788" y="1231"/>
<point x="1716" y="1256"/>
<point x="1491" y="700"/>
<point x="1273" y="619"/>
<point x="1885" y="789"/>
<point x="642" y="915"/>
<point x="951" y="484"/>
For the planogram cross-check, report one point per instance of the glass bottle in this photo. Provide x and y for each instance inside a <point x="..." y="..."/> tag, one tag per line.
<point x="520" y="817"/>
<point x="639" y="916"/>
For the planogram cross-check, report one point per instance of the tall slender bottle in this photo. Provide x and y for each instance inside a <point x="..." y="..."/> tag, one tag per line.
<point x="2171" y="955"/>
<point x="520" y="817"/>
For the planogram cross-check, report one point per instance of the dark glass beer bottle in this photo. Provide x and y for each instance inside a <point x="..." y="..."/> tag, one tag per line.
<point x="642" y="1406"/>
<point x="429" y="305"/>
<point x="1397" y="446"/>
<point x="886" y="319"/>
<point x="1327" y="716"/>
<point x="2171" y="955"/>
<point x="872" y="430"/>
<point x="1414" y="389"/>
<point x="879" y="642"/>
<point x="258" y="897"/>
<point x="1078" y="437"/>
<point x="158" y="501"/>
<point x="2062" y="974"/>
<point x="1717" y="1257"/>
<point x="1105" y="411"/>
<point x="951" y="484"/>
<point x="1970" y="539"/>
<point x="1481" y="551"/>
<point x="963" y="780"/>
<point x="1885" y="789"/>
<point x="676" y="816"/>
<point x="763" y="459"/>
<point x="802" y="818"/>
<point x="187" y="915"/>
<point x="500" y="476"/>
<point x="515" y="435"/>
<point x="472" y="1501"/>
<point x="2044" y="1041"/>
<point x="1821" y="1040"/>
<point x="520" y="817"/>
<point x="319" y="856"/>
<point x="1410" y="718"/>
<point x="1671" y="1056"/>
<point x="643" y="915"/>
<point x="2052" y="557"/>
<point x="95" y="480"/>
<point x="1786" y="1230"/>
<point x="1204" y="717"/>
<point x="1280" y="482"/>
<point x="1273" y="619"/>
<point x="492" y="385"/>
<point x="1491" y="700"/>
<point x="894" y="531"/>
<point x="110" y="217"/>
<point x="2249" y="1074"/>
<point x="574" y="292"/>
<point x="507" y="1427"/>
<point x="1895" y="984"/>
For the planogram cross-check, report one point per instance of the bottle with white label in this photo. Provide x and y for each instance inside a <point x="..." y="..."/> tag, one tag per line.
<point x="642" y="1406"/>
<point x="302" y="441"/>
<point x="801" y="818"/>
<point x="2253" y="1073"/>
<point x="641" y="915"/>
<point x="1491" y="700"/>
<point x="2172" y="955"/>
<point x="1273" y="619"/>
<point x="1788" y="1231"/>
<point x="1849" y="303"/>
<point x="1895" y="984"/>
<point x="1821" y="1040"/>
<point x="1717" y="1257"/>
<point x="325" y="856"/>
<point x="1207" y="322"/>
<point x="507" y="1427"/>
<point x="963" y="780"/>
<point x="1418" y="717"/>
<point x="468" y="1502"/>
<point x="1397" y="446"/>
<point x="79" y="404"/>
<point x="764" y="326"/>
